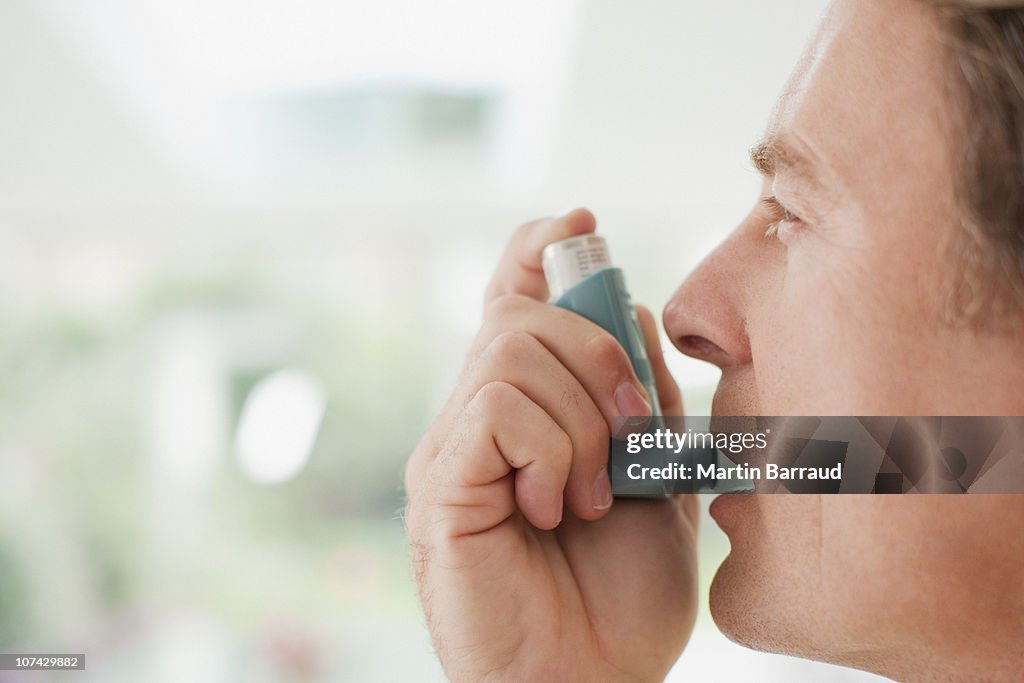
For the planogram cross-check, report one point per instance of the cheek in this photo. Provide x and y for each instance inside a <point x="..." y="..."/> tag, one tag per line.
<point x="802" y="337"/>
<point x="863" y="556"/>
<point x="897" y="566"/>
<point x="861" y="579"/>
<point x="833" y="331"/>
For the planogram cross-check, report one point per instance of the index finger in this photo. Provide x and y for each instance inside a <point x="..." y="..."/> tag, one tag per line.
<point x="519" y="271"/>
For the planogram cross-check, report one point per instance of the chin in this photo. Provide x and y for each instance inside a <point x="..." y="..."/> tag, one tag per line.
<point x="764" y="594"/>
<point x="738" y="606"/>
<point x="729" y="604"/>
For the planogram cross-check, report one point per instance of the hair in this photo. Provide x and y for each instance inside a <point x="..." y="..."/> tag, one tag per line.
<point x="985" y="41"/>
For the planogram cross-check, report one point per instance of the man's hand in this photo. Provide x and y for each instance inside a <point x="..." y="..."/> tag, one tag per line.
<point x="525" y="569"/>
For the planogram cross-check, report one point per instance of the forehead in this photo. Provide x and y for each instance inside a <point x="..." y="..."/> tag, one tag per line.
<point x="868" y="94"/>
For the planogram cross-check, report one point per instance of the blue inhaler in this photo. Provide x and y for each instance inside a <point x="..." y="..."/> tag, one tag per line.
<point x="582" y="279"/>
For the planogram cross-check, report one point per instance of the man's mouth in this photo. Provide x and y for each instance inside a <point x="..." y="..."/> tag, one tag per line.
<point x="729" y="508"/>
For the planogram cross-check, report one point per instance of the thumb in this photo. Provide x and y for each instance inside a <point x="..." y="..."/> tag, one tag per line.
<point x="519" y="271"/>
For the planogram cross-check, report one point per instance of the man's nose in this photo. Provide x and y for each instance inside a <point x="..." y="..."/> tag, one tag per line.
<point x="707" y="317"/>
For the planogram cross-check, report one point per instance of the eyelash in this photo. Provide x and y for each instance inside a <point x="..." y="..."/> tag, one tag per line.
<point x="779" y="214"/>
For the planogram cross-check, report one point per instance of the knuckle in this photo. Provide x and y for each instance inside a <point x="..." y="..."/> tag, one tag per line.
<point x="605" y="351"/>
<point x="492" y="291"/>
<point x="562" y="449"/>
<point x="413" y="516"/>
<point x="495" y="399"/>
<point x="524" y="231"/>
<point x="513" y="345"/>
<point x="504" y="305"/>
<point x="416" y="466"/>
<point x="409" y="479"/>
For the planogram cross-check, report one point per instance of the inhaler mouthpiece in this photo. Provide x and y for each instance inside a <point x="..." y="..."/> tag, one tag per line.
<point x="568" y="262"/>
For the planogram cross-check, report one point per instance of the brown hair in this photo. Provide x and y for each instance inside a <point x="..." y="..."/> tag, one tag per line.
<point x="986" y="51"/>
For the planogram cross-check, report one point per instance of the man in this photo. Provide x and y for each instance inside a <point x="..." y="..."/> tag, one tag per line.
<point x="880" y="272"/>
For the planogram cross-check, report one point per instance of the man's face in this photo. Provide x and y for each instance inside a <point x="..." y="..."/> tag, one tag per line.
<point x="842" y="310"/>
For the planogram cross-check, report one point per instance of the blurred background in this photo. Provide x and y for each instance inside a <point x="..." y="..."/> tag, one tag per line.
<point x="242" y="247"/>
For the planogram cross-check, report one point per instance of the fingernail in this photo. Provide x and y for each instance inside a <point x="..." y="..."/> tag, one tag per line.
<point x="602" y="491"/>
<point x="630" y="402"/>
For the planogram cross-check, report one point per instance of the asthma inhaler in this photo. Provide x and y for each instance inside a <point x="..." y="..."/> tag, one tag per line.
<point x="582" y="279"/>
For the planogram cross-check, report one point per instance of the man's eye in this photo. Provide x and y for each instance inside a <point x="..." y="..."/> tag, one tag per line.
<point x="780" y="217"/>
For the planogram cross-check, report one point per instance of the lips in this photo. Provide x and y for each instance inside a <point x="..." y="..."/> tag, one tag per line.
<point x="729" y="509"/>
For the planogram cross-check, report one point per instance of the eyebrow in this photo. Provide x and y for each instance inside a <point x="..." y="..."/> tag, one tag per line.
<point x="777" y="153"/>
<point x="774" y="154"/>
